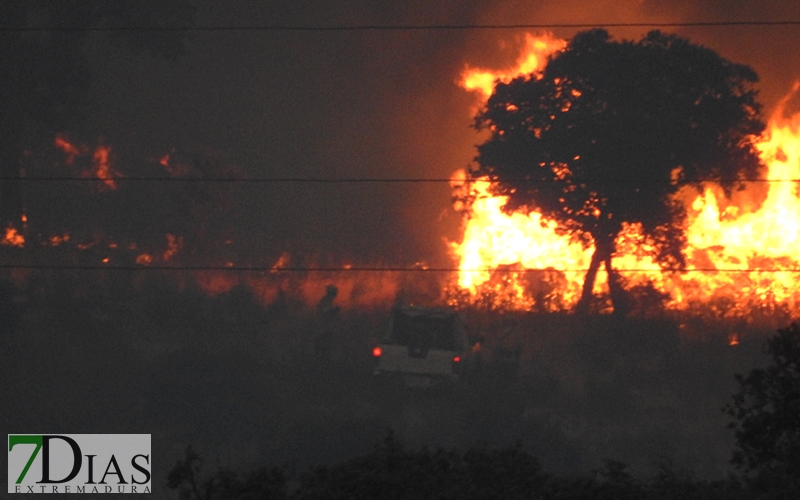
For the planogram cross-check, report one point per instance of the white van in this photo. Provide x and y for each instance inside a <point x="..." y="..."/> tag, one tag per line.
<point x="423" y="345"/>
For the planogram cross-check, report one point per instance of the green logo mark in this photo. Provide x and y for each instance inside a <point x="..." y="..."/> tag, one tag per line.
<point x="14" y="440"/>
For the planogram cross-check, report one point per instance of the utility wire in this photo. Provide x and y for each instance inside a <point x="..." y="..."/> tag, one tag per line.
<point x="370" y="269"/>
<point x="367" y="180"/>
<point x="403" y="27"/>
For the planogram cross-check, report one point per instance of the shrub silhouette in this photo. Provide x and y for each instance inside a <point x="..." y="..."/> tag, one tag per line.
<point x="766" y="417"/>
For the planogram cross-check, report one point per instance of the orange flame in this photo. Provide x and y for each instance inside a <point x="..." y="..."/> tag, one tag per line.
<point x="102" y="166"/>
<point x="175" y="168"/>
<point x="281" y="263"/>
<point x="493" y="239"/>
<point x="57" y="240"/>
<point x="741" y="256"/>
<point x="144" y="259"/>
<point x="761" y="239"/>
<point x="101" y="160"/>
<point x="533" y="59"/>
<point x="13" y="238"/>
<point x="71" y="150"/>
<point x="173" y="245"/>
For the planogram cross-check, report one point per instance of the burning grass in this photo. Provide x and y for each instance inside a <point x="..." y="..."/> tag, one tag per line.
<point x="741" y="252"/>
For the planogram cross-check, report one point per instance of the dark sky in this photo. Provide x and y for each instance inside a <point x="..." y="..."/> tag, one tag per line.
<point x="366" y="104"/>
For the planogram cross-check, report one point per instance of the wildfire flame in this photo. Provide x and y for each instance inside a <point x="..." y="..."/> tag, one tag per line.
<point x="101" y="167"/>
<point x="144" y="259"/>
<point x="739" y="253"/>
<point x="741" y="256"/>
<point x="532" y="60"/>
<point x="102" y="164"/>
<point x="13" y="238"/>
<point x="175" y="167"/>
<point x="71" y="150"/>
<point x="173" y="245"/>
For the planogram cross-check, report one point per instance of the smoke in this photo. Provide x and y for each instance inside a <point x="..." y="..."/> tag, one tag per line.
<point x="231" y="375"/>
<point x="363" y="104"/>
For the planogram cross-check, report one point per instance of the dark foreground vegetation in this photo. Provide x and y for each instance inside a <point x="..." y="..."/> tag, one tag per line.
<point x="559" y="405"/>
<point x="393" y="472"/>
<point x="765" y="416"/>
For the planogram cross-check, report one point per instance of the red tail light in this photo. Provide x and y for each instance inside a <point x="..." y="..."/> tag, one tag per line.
<point x="377" y="352"/>
<point x="456" y="359"/>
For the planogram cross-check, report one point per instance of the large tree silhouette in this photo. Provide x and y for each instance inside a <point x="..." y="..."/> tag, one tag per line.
<point x="608" y="134"/>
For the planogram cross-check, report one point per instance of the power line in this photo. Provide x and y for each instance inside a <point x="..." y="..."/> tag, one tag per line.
<point x="406" y="27"/>
<point x="369" y="180"/>
<point x="371" y="269"/>
<point x="313" y="180"/>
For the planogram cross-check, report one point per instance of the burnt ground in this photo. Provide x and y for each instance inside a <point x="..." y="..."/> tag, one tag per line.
<point x="240" y="381"/>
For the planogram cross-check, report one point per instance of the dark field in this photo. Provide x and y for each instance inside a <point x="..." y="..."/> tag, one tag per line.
<point x="240" y="382"/>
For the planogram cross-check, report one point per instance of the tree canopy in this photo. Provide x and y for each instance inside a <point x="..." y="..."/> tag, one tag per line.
<point x="610" y="131"/>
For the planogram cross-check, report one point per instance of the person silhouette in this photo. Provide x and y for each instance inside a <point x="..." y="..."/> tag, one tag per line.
<point x="325" y="313"/>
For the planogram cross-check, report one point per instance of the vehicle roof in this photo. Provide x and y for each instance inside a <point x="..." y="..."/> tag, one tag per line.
<point x="428" y="312"/>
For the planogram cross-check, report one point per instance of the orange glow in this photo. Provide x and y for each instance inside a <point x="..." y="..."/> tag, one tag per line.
<point x="727" y="240"/>
<point x="13" y="238"/>
<point x="101" y="160"/>
<point x="57" y="240"/>
<point x="102" y="166"/>
<point x="173" y="245"/>
<point x="281" y="263"/>
<point x="216" y="283"/>
<point x="356" y="289"/>
<point x="175" y="168"/>
<point x="71" y="150"/>
<point x="144" y="259"/>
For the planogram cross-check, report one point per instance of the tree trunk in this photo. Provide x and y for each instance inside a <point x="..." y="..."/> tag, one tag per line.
<point x="619" y="297"/>
<point x="601" y="253"/>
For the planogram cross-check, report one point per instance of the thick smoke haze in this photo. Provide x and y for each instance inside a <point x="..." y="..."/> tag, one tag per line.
<point x="114" y="352"/>
<point x="366" y="104"/>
